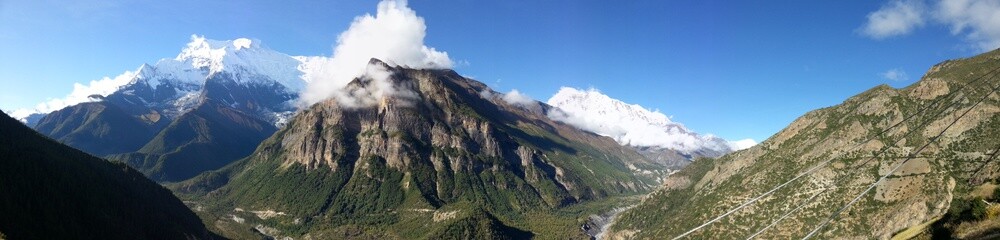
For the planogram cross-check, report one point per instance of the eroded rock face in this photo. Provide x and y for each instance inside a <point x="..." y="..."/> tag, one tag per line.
<point x="390" y="131"/>
<point x="932" y="133"/>
<point x="930" y="89"/>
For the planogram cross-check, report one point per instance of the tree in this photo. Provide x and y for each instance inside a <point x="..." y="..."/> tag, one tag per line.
<point x="996" y="194"/>
<point x="978" y="211"/>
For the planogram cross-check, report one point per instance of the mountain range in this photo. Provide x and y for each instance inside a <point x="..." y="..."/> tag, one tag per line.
<point x="217" y="100"/>
<point x="440" y="151"/>
<point x="220" y="121"/>
<point x="406" y="153"/>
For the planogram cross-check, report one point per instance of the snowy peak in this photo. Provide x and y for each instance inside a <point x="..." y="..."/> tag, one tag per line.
<point x="632" y="124"/>
<point x="242" y="73"/>
<point x="591" y="100"/>
<point x="208" y="49"/>
<point x="247" y="59"/>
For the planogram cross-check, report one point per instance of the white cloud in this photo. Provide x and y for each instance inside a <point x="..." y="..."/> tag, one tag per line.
<point x="895" y="18"/>
<point x="81" y="93"/>
<point x="394" y="35"/>
<point x="515" y="97"/>
<point x="380" y="85"/>
<point x="895" y="74"/>
<point x="978" y="21"/>
<point x="487" y="94"/>
<point x="742" y="144"/>
<point x="21" y="114"/>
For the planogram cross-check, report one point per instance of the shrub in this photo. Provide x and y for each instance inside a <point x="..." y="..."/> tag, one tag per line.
<point x="967" y="209"/>
<point x="992" y="211"/>
<point x="958" y="209"/>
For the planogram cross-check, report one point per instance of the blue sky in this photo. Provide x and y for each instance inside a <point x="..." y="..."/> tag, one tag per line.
<point x="735" y="69"/>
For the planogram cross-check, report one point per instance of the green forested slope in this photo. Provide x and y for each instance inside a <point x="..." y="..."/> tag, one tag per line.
<point x="51" y="191"/>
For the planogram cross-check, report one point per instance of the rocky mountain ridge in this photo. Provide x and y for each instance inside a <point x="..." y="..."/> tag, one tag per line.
<point x="885" y="162"/>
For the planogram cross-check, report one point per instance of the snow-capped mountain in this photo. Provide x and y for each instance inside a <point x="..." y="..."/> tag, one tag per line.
<point x="634" y="125"/>
<point x="210" y="105"/>
<point x="242" y="73"/>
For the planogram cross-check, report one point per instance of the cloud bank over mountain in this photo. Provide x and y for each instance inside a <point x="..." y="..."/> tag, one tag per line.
<point x="632" y="124"/>
<point x="81" y="93"/>
<point x="395" y="35"/>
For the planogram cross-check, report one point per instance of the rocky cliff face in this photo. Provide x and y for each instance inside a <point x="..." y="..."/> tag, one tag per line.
<point x="933" y="142"/>
<point x="435" y="141"/>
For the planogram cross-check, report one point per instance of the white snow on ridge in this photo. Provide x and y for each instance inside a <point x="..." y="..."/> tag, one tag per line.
<point x="168" y="71"/>
<point x="243" y="55"/>
<point x="631" y="124"/>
